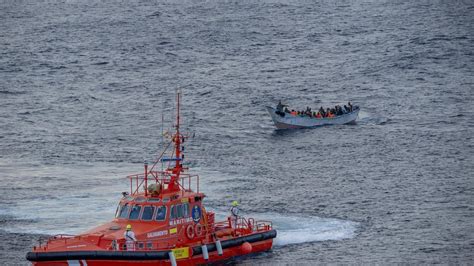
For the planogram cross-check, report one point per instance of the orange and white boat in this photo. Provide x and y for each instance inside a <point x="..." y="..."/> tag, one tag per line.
<point x="166" y="212"/>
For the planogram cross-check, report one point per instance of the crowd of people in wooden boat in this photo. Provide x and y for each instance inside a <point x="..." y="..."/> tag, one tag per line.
<point x="282" y="109"/>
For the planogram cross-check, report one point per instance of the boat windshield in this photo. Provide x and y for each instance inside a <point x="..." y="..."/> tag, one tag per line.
<point x="147" y="214"/>
<point x="124" y="211"/>
<point x="180" y="211"/>
<point x="161" y="213"/>
<point x="173" y="212"/>
<point x="135" y="212"/>
<point x="186" y="210"/>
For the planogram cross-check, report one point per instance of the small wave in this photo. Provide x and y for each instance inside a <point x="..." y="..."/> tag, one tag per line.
<point x="6" y="92"/>
<point x="155" y="14"/>
<point x="100" y="63"/>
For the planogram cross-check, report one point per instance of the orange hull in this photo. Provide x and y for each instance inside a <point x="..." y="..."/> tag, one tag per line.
<point x="228" y="253"/>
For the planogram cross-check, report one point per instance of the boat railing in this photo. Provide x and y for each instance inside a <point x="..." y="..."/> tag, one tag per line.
<point x="254" y="225"/>
<point x="157" y="244"/>
<point x="245" y="225"/>
<point x="44" y="240"/>
<point x="168" y="242"/>
<point x="187" y="182"/>
<point x="62" y="236"/>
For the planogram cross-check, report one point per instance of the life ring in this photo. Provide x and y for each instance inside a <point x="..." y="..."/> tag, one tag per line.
<point x="198" y="229"/>
<point x="190" y="231"/>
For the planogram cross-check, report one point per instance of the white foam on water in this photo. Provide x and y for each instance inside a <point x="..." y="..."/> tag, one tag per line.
<point x="363" y="115"/>
<point x="296" y="230"/>
<point x="300" y="229"/>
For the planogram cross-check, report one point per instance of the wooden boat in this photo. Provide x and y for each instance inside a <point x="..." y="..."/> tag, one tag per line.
<point x="289" y="121"/>
<point x="165" y="209"/>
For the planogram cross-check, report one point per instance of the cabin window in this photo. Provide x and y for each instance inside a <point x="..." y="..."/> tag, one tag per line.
<point x="186" y="210"/>
<point x="179" y="211"/>
<point x="147" y="214"/>
<point x="161" y="213"/>
<point x="134" y="212"/>
<point x="173" y="212"/>
<point x="124" y="211"/>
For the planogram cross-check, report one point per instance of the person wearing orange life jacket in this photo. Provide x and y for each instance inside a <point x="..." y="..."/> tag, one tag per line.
<point x="318" y="115"/>
<point x="331" y="115"/>
<point x="328" y="111"/>
<point x="130" y="238"/>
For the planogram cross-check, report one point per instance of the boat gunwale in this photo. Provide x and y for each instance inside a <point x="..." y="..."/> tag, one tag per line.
<point x="355" y="110"/>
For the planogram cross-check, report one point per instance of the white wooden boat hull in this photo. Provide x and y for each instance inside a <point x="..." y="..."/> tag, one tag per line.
<point x="290" y="121"/>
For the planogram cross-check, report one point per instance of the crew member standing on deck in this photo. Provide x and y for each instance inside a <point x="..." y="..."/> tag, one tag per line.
<point x="234" y="212"/>
<point x="279" y="109"/>
<point x="130" y="238"/>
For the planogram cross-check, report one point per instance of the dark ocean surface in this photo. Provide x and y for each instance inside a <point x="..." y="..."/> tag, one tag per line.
<point x="84" y="85"/>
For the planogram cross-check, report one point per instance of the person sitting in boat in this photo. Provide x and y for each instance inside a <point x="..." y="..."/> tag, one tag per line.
<point x="318" y="115"/>
<point x="347" y="109"/>
<point x="129" y="238"/>
<point x="321" y="111"/>
<point x="293" y="113"/>
<point x="234" y="213"/>
<point x="331" y="114"/>
<point x="339" y="110"/>
<point x="350" y="106"/>
<point x="327" y="112"/>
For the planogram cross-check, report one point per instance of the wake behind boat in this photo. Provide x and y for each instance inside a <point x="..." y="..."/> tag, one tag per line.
<point x="285" y="119"/>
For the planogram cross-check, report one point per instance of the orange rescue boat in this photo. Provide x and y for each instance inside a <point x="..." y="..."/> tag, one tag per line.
<point x="170" y="224"/>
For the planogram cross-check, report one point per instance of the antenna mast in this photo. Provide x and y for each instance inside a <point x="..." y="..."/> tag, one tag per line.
<point x="177" y="139"/>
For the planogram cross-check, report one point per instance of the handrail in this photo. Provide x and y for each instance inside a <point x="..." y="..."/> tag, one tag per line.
<point x="60" y="236"/>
